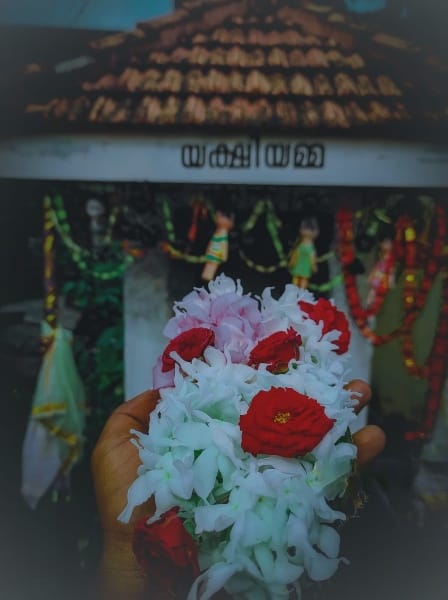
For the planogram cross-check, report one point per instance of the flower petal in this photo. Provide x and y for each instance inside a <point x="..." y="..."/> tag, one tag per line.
<point x="205" y="469"/>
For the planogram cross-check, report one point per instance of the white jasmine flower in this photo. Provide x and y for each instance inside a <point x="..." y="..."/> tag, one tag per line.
<point x="260" y="521"/>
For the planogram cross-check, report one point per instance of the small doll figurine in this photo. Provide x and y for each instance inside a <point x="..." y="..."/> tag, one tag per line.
<point x="302" y="261"/>
<point x="382" y="276"/>
<point x="218" y="248"/>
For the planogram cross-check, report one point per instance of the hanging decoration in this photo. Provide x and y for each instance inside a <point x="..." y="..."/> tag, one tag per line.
<point x="329" y="285"/>
<point x="53" y="439"/>
<point x="382" y="276"/>
<point x="200" y="209"/>
<point x="436" y="371"/>
<point x="347" y="256"/>
<point x="302" y="262"/>
<point x="50" y="297"/>
<point x="82" y="257"/>
<point x="217" y="251"/>
<point x="414" y="295"/>
<point x="415" y="299"/>
<point x="415" y="292"/>
<point x="273" y="224"/>
<point x="168" y="244"/>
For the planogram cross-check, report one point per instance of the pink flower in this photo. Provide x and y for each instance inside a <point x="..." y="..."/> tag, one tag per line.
<point x="235" y="319"/>
<point x="160" y="379"/>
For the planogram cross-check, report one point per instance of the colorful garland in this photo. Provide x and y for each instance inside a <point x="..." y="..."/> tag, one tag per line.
<point x="273" y="225"/>
<point x="169" y="226"/>
<point x="347" y="256"/>
<point x="436" y="371"/>
<point x="414" y="299"/>
<point x="79" y="255"/>
<point x="50" y="297"/>
<point x="172" y="252"/>
<point x="329" y="285"/>
<point x="167" y="245"/>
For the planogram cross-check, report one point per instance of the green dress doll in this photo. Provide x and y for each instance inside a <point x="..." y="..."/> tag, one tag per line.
<point x="302" y="262"/>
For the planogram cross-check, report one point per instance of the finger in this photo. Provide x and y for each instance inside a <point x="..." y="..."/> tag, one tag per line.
<point x="139" y="407"/>
<point x="362" y="394"/>
<point x="133" y="414"/>
<point x="370" y="441"/>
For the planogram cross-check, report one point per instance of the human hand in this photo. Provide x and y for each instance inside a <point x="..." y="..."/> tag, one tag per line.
<point x="371" y="439"/>
<point x="114" y="464"/>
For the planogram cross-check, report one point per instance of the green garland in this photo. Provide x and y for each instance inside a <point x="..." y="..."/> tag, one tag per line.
<point x="169" y="226"/>
<point x="273" y="224"/>
<point x="328" y="285"/>
<point x="80" y="256"/>
<point x="177" y="254"/>
<point x="167" y="246"/>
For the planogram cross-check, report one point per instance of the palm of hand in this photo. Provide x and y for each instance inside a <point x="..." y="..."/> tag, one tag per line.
<point x="115" y="461"/>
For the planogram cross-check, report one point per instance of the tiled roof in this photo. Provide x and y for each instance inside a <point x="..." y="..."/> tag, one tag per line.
<point x="220" y="63"/>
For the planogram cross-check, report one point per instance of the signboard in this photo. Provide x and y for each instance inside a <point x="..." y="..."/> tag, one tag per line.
<point x="253" y="154"/>
<point x="225" y="160"/>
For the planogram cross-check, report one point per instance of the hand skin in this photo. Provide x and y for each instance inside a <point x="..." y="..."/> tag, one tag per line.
<point x="114" y="465"/>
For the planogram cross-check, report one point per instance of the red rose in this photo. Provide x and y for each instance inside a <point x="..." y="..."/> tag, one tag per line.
<point x="167" y="538"/>
<point x="188" y="344"/>
<point x="332" y="318"/>
<point x="284" y="422"/>
<point x="276" y="350"/>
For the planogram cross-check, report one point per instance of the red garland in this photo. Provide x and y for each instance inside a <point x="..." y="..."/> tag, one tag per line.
<point x="417" y="299"/>
<point x="437" y="367"/>
<point x="347" y="256"/>
<point x="414" y="299"/>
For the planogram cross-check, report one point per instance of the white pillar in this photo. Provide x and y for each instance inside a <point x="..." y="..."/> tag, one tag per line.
<point x="146" y="311"/>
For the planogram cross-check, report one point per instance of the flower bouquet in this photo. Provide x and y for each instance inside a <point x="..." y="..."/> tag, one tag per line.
<point x="249" y="445"/>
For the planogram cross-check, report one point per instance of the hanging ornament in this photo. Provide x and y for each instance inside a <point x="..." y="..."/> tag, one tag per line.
<point x="347" y="256"/>
<point x="382" y="276"/>
<point x="414" y="295"/>
<point x="436" y="372"/>
<point x="273" y="225"/>
<point x="169" y="226"/>
<point x="54" y="435"/>
<point x="81" y="256"/>
<point x="168" y="245"/>
<point x="50" y="297"/>
<point x="302" y="262"/>
<point x="200" y="211"/>
<point x="417" y="299"/>
<point x="414" y="299"/>
<point x="218" y="248"/>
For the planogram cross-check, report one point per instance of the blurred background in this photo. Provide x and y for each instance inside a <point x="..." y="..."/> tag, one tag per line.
<point x="125" y="128"/>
